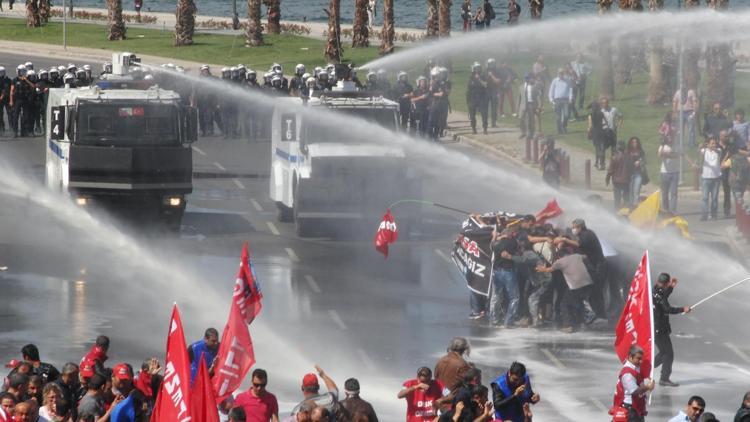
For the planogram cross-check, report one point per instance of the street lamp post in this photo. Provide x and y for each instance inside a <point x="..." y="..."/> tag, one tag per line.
<point x="65" y="26"/>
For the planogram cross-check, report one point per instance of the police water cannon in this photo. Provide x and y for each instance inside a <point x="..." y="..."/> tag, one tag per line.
<point x="123" y="62"/>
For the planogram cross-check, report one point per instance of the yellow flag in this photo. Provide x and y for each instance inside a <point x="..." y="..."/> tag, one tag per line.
<point x="678" y="222"/>
<point x="647" y="212"/>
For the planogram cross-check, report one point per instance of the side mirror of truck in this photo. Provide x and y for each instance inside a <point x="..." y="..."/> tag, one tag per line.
<point x="191" y="125"/>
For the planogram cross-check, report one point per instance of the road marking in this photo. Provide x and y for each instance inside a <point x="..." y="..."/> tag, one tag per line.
<point x="366" y="360"/>
<point x="337" y="319"/>
<point x="219" y="166"/>
<point x="442" y="255"/>
<point x="199" y="151"/>
<point x="238" y="183"/>
<point x="553" y="358"/>
<point x="292" y="255"/>
<point x="312" y="283"/>
<point x="599" y="405"/>
<point x="256" y="205"/>
<point x="273" y="228"/>
<point x="738" y="352"/>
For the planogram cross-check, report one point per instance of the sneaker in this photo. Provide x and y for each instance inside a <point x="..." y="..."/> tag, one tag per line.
<point x="475" y="316"/>
<point x="668" y="383"/>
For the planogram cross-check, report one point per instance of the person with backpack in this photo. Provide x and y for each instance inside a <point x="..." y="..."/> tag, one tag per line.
<point x="489" y="13"/>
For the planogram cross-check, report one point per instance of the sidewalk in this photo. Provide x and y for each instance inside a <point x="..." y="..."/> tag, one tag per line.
<point x="203" y="23"/>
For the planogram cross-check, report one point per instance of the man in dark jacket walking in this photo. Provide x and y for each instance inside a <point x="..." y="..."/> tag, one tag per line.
<point x="354" y="404"/>
<point x="665" y="284"/>
<point x="619" y="174"/>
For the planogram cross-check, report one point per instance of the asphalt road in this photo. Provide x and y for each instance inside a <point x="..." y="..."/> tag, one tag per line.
<point x="336" y="303"/>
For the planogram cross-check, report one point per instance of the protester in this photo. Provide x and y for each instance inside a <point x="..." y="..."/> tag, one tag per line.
<point x="743" y="413"/>
<point x="632" y="387"/>
<point x="466" y="15"/>
<point x="620" y="173"/>
<point x="47" y="371"/>
<point x="504" y="277"/>
<point x="561" y="95"/>
<point x="489" y="13"/>
<point x="354" y="404"/>
<point x="529" y="106"/>
<point x="596" y="134"/>
<point x="17" y="385"/>
<point x="715" y="122"/>
<point x="613" y="120"/>
<point x="514" y="12"/>
<point x="511" y="391"/>
<point x="669" y="172"/>
<point x="582" y="70"/>
<point x="97" y="355"/>
<point x="686" y="101"/>
<point x="205" y="349"/>
<point x="258" y="404"/>
<point x="451" y="368"/>
<point x="422" y="396"/>
<point x="693" y="411"/>
<point x="710" y="179"/>
<point x="639" y="172"/>
<point x="740" y="127"/>
<point x="579" y="285"/>
<point x="737" y="164"/>
<point x="237" y="414"/>
<point x="314" y="398"/>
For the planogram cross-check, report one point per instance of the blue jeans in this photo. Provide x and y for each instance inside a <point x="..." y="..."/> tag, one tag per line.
<point x="504" y="280"/>
<point x="636" y="181"/>
<point x="669" y="182"/>
<point x="710" y="190"/>
<point x="561" y="113"/>
<point x="477" y="302"/>
<point x="690" y="123"/>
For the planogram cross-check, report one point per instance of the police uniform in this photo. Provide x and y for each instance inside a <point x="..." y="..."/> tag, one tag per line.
<point x="5" y="84"/>
<point x="477" y="100"/>
<point x="403" y="91"/>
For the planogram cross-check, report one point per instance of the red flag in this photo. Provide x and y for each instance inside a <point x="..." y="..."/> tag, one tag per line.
<point x="204" y="404"/>
<point x="387" y="233"/>
<point x="173" y="399"/>
<point x="247" y="292"/>
<point x="636" y="324"/>
<point x="551" y="210"/>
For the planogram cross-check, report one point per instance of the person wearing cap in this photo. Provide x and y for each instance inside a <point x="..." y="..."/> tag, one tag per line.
<point x="356" y="405"/>
<point x="529" y="105"/>
<point x="122" y="384"/>
<point x="663" y="288"/>
<point x="314" y="398"/>
<point x="561" y="95"/>
<point x="423" y="395"/>
<point x="452" y="367"/>
<point x="693" y="411"/>
<point x="258" y="404"/>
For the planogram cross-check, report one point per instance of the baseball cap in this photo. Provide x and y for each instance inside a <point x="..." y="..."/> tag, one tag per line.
<point x="87" y="369"/>
<point x="122" y="371"/>
<point x="310" y="380"/>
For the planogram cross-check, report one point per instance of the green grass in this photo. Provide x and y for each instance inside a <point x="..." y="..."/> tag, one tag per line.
<point x="288" y="50"/>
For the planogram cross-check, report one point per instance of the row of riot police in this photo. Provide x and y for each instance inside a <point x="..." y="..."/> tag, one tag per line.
<point x="23" y="98"/>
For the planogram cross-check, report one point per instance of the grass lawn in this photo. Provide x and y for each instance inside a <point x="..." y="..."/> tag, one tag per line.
<point x="288" y="50"/>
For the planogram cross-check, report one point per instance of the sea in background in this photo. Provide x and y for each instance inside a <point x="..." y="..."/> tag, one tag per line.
<point x="408" y="13"/>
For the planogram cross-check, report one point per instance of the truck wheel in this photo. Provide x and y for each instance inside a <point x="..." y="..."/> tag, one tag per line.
<point x="285" y="214"/>
<point x="302" y="226"/>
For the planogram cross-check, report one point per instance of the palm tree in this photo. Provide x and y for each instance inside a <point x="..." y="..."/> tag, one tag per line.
<point x="607" y="86"/>
<point x="254" y="33"/>
<point x="389" y="31"/>
<point x="444" y="19"/>
<point x="333" y="42"/>
<point x="44" y="11"/>
<point x="627" y="51"/>
<point x="32" y="14"/>
<point x="658" y="92"/>
<point x="361" y="29"/>
<point x="691" y="56"/>
<point x="432" y="19"/>
<point x="116" y="26"/>
<point x="720" y="66"/>
<point x="274" y="16"/>
<point x="184" y="26"/>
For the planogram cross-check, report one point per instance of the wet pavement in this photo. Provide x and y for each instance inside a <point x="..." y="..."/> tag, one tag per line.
<point x="336" y="303"/>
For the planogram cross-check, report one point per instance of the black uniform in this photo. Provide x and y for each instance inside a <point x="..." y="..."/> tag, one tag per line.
<point x="662" y="329"/>
<point x="5" y="84"/>
<point x="402" y="92"/>
<point x="478" y="100"/>
<point x="420" y="112"/>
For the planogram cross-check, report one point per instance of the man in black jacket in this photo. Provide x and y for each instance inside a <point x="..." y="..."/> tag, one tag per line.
<point x="665" y="284"/>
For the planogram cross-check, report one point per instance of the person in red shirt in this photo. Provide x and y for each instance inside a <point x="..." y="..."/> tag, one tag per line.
<point x="422" y="396"/>
<point x="259" y="404"/>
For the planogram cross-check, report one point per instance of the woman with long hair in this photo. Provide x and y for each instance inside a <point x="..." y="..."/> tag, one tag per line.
<point x="50" y="395"/>
<point x="638" y="175"/>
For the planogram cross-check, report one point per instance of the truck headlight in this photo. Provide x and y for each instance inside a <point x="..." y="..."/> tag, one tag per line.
<point x="82" y="201"/>
<point x="173" y="201"/>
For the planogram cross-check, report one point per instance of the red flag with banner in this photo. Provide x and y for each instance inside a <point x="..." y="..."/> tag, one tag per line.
<point x="204" y="402"/>
<point x="173" y="399"/>
<point x="636" y="324"/>
<point x="236" y="354"/>
<point x="551" y="210"/>
<point x="247" y="292"/>
<point x="387" y="233"/>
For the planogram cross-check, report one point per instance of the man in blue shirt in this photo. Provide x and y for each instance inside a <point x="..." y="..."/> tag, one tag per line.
<point x="695" y="407"/>
<point x="205" y="349"/>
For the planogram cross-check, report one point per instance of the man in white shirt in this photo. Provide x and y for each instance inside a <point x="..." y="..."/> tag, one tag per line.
<point x="561" y="95"/>
<point x="710" y="179"/>
<point x="612" y="122"/>
<point x="670" y="175"/>
<point x="695" y="407"/>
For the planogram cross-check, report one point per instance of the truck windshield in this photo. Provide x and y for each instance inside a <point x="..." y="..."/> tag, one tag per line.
<point x="320" y="131"/>
<point x="127" y="124"/>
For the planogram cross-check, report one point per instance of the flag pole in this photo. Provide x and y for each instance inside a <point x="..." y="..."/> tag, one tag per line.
<point x="719" y="292"/>
<point x="651" y="319"/>
<point x="434" y="204"/>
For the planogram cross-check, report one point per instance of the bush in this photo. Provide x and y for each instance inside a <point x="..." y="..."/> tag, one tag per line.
<point x="99" y="16"/>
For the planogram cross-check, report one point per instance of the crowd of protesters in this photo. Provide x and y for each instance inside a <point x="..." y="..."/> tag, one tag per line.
<point x="455" y="390"/>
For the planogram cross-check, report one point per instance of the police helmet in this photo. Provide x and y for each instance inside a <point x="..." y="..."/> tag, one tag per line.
<point x="382" y="74"/>
<point x="434" y="72"/>
<point x="81" y="74"/>
<point x="330" y="67"/>
<point x="2" y="71"/>
<point x="69" y="78"/>
<point x="169" y="65"/>
<point x="402" y="76"/>
<point x="72" y="68"/>
<point x="31" y="75"/>
<point x="107" y="67"/>
<point x="61" y="68"/>
<point x="20" y="70"/>
<point x="476" y="67"/>
<point x="323" y="76"/>
<point x="242" y="68"/>
<point x="53" y="73"/>
<point x="87" y="68"/>
<point x="421" y="78"/>
<point x="29" y="66"/>
<point x="148" y="77"/>
<point x="317" y="70"/>
<point x="276" y="81"/>
<point x="251" y="75"/>
<point x="205" y="67"/>
<point x="310" y="82"/>
<point x="276" y="67"/>
<point x="372" y="76"/>
<point x="299" y="69"/>
<point x="225" y="72"/>
<point x="443" y="73"/>
<point x="306" y="76"/>
<point x="491" y="63"/>
<point x="43" y="74"/>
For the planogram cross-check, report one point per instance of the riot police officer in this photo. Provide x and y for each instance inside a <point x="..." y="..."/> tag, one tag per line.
<point x="297" y="83"/>
<point x="419" y="102"/>
<point x="5" y="84"/>
<point x="372" y="82"/>
<point x="403" y="92"/>
<point x="383" y="84"/>
<point x="476" y="97"/>
<point x="18" y="97"/>
<point x="54" y="78"/>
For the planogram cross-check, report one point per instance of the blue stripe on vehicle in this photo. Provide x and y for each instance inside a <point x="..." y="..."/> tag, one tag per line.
<point x="56" y="149"/>
<point x="286" y="156"/>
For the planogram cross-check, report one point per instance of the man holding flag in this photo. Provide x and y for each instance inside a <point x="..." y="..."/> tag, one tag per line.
<point x="631" y="390"/>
